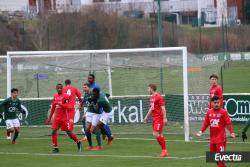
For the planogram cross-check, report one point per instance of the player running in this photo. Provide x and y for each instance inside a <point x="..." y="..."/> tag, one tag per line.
<point x="102" y="103"/>
<point x="11" y="106"/>
<point x="215" y="90"/>
<point x="159" y="119"/>
<point x="61" y="119"/>
<point x="218" y="119"/>
<point x="244" y="132"/>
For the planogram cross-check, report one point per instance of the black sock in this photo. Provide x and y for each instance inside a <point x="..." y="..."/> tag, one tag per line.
<point x="105" y="132"/>
<point x="88" y="134"/>
<point x="15" y="135"/>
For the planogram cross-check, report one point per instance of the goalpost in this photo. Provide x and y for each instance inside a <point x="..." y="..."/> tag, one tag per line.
<point x="123" y="73"/>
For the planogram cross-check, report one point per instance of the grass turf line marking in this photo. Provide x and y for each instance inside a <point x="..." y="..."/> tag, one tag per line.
<point x="99" y="155"/>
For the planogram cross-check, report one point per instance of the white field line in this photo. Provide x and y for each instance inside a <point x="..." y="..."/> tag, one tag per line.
<point x="100" y="155"/>
<point x="139" y="139"/>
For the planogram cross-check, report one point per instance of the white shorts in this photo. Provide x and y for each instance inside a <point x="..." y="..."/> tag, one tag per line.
<point x="12" y="123"/>
<point x="106" y="116"/>
<point x="92" y="118"/>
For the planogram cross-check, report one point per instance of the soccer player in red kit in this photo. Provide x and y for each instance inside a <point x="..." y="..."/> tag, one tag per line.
<point x="61" y="120"/>
<point x="159" y="119"/>
<point x="218" y="119"/>
<point x="71" y="93"/>
<point x="215" y="90"/>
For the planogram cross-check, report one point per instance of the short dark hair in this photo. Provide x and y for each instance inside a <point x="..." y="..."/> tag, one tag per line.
<point x="153" y="86"/>
<point x="59" y="84"/>
<point x="92" y="75"/>
<point x="97" y="90"/>
<point x="86" y="84"/>
<point x="14" y="90"/>
<point x="214" y="76"/>
<point x="215" y="98"/>
<point x="67" y="82"/>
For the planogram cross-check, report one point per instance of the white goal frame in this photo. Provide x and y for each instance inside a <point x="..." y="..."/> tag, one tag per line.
<point x="26" y="54"/>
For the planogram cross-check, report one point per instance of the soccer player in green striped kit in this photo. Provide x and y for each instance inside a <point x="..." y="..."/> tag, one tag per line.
<point x="11" y="107"/>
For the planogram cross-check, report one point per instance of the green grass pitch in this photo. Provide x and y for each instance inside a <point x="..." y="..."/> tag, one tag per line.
<point x="137" y="148"/>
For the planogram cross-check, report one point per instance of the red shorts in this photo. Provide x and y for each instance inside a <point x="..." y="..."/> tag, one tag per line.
<point x="64" y="125"/>
<point x="158" y="125"/>
<point x="218" y="147"/>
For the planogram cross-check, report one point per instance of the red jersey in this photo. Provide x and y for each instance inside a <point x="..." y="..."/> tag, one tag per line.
<point x="156" y="102"/>
<point x="60" y="111"/>
<point x="216" y="90"/>
<point x="218" y="120"/>
<point x="71" y="94"/>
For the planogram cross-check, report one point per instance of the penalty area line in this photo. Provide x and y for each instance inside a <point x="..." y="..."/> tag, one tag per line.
<point x="100" y="155"/>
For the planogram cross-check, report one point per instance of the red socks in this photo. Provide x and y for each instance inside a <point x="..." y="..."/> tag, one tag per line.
<point x="73" y="137"/>
<point x="161" y="141"/>
<point x="54" y="140"/>
<point x="221" y="164"/>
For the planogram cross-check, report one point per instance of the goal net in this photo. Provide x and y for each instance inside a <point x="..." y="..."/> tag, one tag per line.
<point x="125" y="74"/>
<point x="3" y="80"/>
